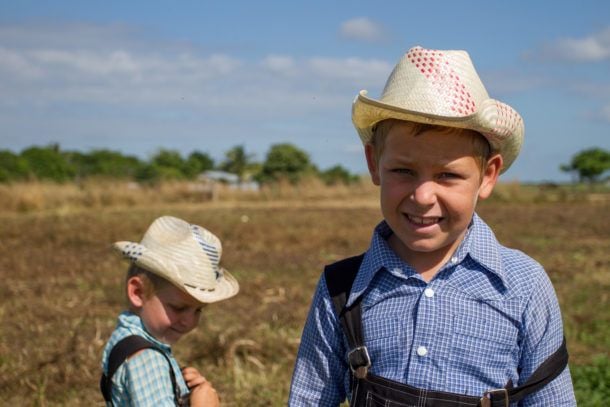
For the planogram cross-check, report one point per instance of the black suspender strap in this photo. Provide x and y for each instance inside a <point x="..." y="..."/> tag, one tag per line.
<point x="120" y="352"/>
<point x="339" y="278"/>
<point x="546" y="373"/>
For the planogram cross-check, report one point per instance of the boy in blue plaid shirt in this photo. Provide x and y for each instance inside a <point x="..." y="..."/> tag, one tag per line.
<point x="174" y="272"/>
<point x="449" y="316"/>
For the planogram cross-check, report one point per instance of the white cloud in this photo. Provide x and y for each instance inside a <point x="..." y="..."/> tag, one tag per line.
<point x="595" y="47"/>
<point x="362" y="29"/>
<point x="592" y="89"/>
<point x="139" y="73"/>
<point x="17" y="66"/>
<point x="280" y="64"/>
<point x="353" y="68"/>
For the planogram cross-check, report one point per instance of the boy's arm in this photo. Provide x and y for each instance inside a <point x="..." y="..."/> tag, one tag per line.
<point x="543" y="336"/>
<point x="147" y="380"/>
<point x="320" y="369"/>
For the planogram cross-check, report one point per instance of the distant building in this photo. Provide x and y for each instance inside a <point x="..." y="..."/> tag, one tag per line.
<point x="232" y="180"/>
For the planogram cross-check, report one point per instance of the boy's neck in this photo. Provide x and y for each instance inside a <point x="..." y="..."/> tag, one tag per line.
<point x="426" y="264"/>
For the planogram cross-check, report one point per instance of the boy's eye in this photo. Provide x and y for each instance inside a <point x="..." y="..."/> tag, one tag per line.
<point x="448" y="175"/>
<point x="401" y="171"/>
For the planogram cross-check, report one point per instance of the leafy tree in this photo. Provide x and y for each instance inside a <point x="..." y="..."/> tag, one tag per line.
<point x="285" y="161"/>
<point x="338" y="175"/>
<point x="105" y="163"/>
<point x="589" y="164"/>
<point x="12" y="167"/>
<point x="196" y="163"/>
<point x="48" y="163"/>
<point x="168" y="164"/>
<point x="168" y="158"/>
<point x="148" y="173"/>
<point x="237" y="161"/>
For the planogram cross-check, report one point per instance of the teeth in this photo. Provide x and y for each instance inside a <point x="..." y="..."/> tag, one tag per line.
<point x="423" y="221"/>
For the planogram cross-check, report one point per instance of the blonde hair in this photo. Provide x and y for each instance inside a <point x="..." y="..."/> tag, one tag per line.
<point x="481" y="149"/>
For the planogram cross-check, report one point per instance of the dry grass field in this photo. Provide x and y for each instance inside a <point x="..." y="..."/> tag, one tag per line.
<point x="62" y="285"/>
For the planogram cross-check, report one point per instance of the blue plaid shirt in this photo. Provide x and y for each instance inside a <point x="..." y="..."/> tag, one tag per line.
<point x="488" y="316"/>
<point x="142" y="380"/>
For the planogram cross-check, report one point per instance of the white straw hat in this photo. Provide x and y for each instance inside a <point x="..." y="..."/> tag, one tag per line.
<point x="186" y="255"/>
<point x="441" y="88"/>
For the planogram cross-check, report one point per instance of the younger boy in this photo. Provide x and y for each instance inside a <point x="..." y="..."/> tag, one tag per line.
<point x="174" y="271"/>
<point x="449" y="317"/>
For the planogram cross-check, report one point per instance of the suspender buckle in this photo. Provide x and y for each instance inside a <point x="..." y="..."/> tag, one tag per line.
<point x="486" y="400"/>
<point x="359" y="361"/>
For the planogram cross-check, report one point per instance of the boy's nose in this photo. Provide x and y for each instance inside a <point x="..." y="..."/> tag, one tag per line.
<point x="187" y="320"/>
<point x="424" y="193"/>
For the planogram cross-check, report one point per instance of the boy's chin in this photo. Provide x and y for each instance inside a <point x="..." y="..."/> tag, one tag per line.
<point x="169" y="338"/>
<point x="173" y="338"/>
<point x="411" y="248"/>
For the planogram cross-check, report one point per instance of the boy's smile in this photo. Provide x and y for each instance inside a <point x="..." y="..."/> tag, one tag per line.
<point x="430" y="184"/>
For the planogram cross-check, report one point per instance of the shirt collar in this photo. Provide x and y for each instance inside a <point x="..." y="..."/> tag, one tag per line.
<point x="134" y="324"/>
<point x="484" y="248"/>
<point x="479" y="244"/>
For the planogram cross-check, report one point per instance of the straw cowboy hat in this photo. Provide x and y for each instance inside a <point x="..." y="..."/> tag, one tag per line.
<point x="186" y="255"/>
<point x="441" y="88"/>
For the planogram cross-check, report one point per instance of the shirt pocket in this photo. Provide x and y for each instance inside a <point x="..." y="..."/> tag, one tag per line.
<point x="485" y="341"/>
<point x="384" y="336"/>
<point x="385" y="314"/>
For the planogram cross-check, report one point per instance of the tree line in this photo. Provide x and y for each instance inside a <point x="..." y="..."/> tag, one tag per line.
<point x="282" y="161"/>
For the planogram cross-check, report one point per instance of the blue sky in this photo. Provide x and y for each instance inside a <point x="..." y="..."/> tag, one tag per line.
<point x="136" y="76"/>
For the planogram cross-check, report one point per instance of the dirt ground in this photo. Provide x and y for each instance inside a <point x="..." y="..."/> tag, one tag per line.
<point x="62" y="288"/>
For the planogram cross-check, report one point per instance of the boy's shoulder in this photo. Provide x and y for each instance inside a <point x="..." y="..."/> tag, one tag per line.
<point x="519" y="271"/>
<point x="130" y="324"/>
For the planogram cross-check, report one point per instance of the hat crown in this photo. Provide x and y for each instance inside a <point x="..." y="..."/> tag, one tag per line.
<point x="440" y="83"/>
<point x="192" y="256"/>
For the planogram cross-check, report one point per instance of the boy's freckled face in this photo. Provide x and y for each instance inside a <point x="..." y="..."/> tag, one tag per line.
<point x="429" y="185"/>
<point x="169" y="314"/>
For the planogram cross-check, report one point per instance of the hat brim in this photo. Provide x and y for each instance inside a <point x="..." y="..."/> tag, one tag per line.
<point x="226" y="285"/>
<point x="367" y="112"/>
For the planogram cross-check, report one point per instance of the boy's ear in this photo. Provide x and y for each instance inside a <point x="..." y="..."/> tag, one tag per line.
<point x="490" y="176"/>
<point x="371" y="162"/>
<point x="135" y="291"/>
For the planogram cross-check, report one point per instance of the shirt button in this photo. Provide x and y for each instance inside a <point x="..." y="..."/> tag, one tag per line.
<point x="422" y="351"/>
<point x="454" y="260"/>
<point x="397" y="270"/>
<point x="429" y="292"/>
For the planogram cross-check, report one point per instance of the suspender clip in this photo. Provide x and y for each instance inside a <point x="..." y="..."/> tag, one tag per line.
<point x="486" y="400"/>
<point x="359" y="361"/>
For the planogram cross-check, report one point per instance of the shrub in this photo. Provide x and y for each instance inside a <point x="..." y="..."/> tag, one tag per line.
<point x="592" y="382"/>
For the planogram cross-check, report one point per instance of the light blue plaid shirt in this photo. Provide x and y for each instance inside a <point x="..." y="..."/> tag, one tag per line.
<point x="142" y="380"/>
<point x="490" y="315"/>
